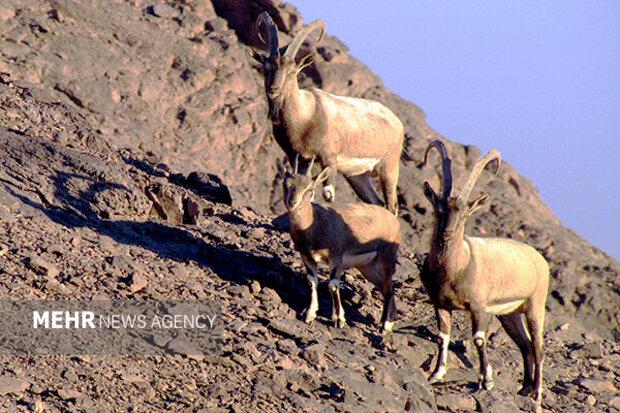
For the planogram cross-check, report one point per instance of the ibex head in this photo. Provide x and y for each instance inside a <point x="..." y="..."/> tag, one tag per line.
<point x="299" y="188"/>
<point x="453" y="211"/>
<point x="282" y="69"/>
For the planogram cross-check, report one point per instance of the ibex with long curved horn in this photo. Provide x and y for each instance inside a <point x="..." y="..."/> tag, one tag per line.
<point x="360" y="138"/>
<point x="485" y="276"/>
<point x="350" y="235"/>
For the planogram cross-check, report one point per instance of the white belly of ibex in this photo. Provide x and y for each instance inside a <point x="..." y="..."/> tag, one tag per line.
<point x="356" y="166"/>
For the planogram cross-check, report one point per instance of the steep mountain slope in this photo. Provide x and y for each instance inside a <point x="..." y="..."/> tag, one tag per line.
<point x="99" y="102"/>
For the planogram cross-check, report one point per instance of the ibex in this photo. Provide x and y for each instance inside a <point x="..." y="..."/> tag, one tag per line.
<point x="360" y="138"/>
<point x="358" y="235"/>
<point x="486" y="277"/>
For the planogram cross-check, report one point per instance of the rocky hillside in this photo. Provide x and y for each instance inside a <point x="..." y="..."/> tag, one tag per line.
<point x="137" y="160"/>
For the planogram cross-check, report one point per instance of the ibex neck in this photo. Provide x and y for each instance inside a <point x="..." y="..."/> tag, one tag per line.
<point x="302" y="218"/>
<point x="298" y="107"/>
<point x="450" y="249"/>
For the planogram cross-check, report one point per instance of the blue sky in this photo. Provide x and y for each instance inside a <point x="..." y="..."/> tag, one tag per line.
<point x="539" y="81"/>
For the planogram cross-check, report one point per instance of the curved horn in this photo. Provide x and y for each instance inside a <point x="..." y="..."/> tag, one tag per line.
<point x="272" y="33"/>
<point x="296" y="164"/>
<point x="446" y="166"/>
<point x="298" y="40"/>
<point x="309" y="171"/>
<point x="477" y="170"/>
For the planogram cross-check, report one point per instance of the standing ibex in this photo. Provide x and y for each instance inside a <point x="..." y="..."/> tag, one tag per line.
<point x="485" y="276"/>
<point x="360" y="138"/>
<point x="358" y="235"/>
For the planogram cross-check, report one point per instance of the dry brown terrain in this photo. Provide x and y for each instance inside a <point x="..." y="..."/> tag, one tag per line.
<point x="101" y="100"/>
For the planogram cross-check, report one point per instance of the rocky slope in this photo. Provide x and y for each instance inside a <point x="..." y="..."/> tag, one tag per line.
<point x="100" y="103"/>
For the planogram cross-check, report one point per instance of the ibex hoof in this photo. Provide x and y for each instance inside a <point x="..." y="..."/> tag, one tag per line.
<point x="525" y="391"/>
<point x="339" y="323"/>
<point x="435" y="379"/>
<point x="485" y="384"/>
<point x="310" y="318"/>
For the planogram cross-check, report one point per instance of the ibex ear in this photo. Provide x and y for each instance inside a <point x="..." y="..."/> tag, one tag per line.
<point x="306" y="61"/>
<point x="430" y="194"/>
<point x="322" y="176"/>
<point x="479" y="202"/>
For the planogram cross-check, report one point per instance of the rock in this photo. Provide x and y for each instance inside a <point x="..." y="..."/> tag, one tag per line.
<point x="315" y="355"/>
<point x="281" y="223"/>
<point x="12" y="385"/>
<point x="597" y="386"/>
<point x="271" y="295"/>
<point x="591" y="400"/>
<point x="55" y="249"/>
<point x="209" y="186"/>
<point x="288" y="328"/>
<point x="286" y="363"/>
<point x="191" y="211"/>
<point x="6" y="12"/>
<point x="255" y="287"/>
<point x="181" y="345"/>
<point x="40" y="266"/>
<point x="493" y="402"/>
<point x="564" y="327"/>
<point x="167" y="202"/>
<point x="456" y="403"/>
<point x="39" y="406"/>
<point x="163" y="10"/>
<point x="68" y="393"/>
<point x="288" y="346"/>
<point x="138" y="282"/>
<point x="589" y="350"/>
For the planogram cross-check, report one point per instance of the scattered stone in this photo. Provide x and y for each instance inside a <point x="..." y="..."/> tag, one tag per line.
<point x="191" y="211"/>
<point x="42" y="267"/>
<point x="288" y="346"/>
<point x="39" y="406"/>
<point x="271" y="295"/>
<point x="181" y="345"/>
<point x="68" y="394"/>
<point x="615" y="402"/>
<point x="167" y="202"/>
<point x="55" y="249"/>
<point x="286" y="363"/>
<point x="209" y="186"/>
<point x="591" y="400"/>
<point x="70" y="375"/>
<point x="597" y="386"/>
<point x="163" y="10"/>
<point x="12" y="385"/>
<point x="315" y="355"/>
<point x="593" y="350"/>
<point x="76" y="241"/>
<point x="288" y="328"/>
<point x="255" y="287"/>
<point x="138" y="282"/>
<point x="456" y="403"/>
